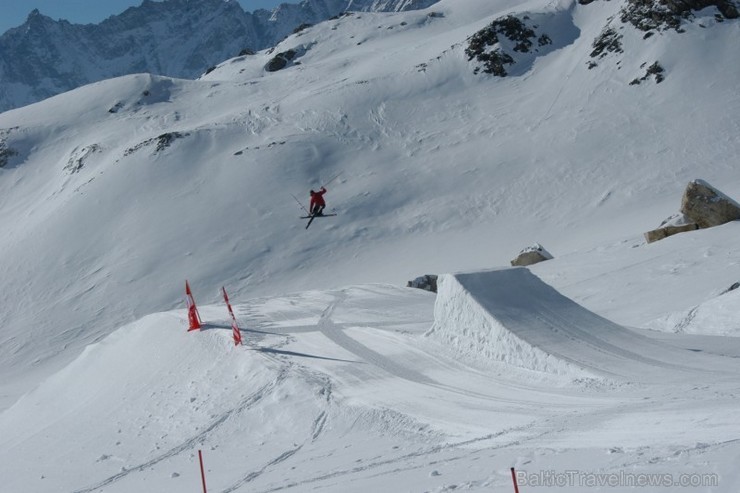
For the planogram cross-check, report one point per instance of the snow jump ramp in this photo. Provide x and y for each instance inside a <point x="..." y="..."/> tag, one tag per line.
<point x="511" y="316"/>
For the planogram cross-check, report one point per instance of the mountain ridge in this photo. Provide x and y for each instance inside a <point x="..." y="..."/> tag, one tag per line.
<point x="176" y="38"/>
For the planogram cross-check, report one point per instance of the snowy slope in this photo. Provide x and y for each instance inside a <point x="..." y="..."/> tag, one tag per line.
<point x="117" y="192"/>
<point x="441" y="170"/>
<point x="345" y="390"/>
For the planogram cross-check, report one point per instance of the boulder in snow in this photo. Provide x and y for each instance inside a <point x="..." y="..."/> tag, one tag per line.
<point x="733" y="287"/>
<point x="678" y="223"/>
<point x="280" y="61"/>
<point x="531" y="255"/>
<point x="427" y="282"/>
<point x="706" y="206"/>
<point x="666" y="231"/>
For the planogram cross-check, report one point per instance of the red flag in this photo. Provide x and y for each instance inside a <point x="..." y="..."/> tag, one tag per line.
<point x="193" y="315"/>
<point x="236" y="333"/>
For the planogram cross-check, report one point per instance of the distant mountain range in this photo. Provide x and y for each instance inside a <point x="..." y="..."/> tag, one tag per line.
<point x="177" y="38"/>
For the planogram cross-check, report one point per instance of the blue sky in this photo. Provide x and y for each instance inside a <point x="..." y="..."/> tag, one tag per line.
<point x="14" y="12"/>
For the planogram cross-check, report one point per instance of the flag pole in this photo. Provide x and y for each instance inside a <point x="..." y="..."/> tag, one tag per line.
<point x="202" y="470"/>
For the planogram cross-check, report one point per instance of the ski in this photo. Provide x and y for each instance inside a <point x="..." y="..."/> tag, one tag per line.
<point x="314" y="216"/>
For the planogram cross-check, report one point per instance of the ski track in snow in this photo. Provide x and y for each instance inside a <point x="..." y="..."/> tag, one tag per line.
<point x="190" y="444"/>
<point x="334" y="333"/>
<point x="554" y="423"/>
<point x="314" y="433"/>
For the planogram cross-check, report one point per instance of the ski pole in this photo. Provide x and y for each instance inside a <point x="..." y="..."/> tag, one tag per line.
<point x="335" y="177"/>
<point x="299" y="203"/>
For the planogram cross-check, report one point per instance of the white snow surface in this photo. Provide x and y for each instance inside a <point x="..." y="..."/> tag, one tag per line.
<point x="513" y="317"/>
<point x="614" y="359"/>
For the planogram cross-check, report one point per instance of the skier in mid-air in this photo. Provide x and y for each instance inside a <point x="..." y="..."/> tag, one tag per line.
<point x="317" y="202"/>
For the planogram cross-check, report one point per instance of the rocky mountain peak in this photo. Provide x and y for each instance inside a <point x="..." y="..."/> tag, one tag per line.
<point x="176" y="38"/>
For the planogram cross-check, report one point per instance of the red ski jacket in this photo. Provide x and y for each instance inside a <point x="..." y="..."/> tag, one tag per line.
<point x="317" y="198"/>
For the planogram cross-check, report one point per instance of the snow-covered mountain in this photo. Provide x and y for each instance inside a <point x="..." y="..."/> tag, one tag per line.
<point x="177" y="38"/>
<point x="449" y="138"/>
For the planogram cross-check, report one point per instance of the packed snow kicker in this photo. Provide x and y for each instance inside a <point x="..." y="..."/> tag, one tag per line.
<point x="612" y="366"/>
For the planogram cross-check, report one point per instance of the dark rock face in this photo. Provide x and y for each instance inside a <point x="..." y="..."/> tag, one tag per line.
<point x="162" y="142"/>
<point x="80" y="158"/>
<point x="660" y="15"/>
<point x="5" y="154"/>
<point x="653" y="70"/>
<point x="426" y="282"/>
<point x="609" y="41"/>
<point x="280" y="61"/>
<point x="651" y="16"/>
<point x="733" y="287"/>
<point x="302" y="27"/>
<point x="484" y="46"/>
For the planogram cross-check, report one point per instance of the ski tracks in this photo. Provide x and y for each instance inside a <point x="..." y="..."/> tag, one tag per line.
<point x="325" y="391"/>
<point x="317" y="428"/>
<point x="335" y="333"/>
<point x="247" y="403"/>
<point x="425" y="455"/>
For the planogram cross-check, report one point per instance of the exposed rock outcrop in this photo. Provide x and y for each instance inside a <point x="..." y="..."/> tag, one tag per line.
<point x="427" y="282"/>
<point x="163" y="142"/>
<point x="5" y="154"/>
<point x="79" y="158"/>
<point x="654" y="70"/>
<point x="280" y="61"/>
<point x="650" y="17"/>
<point x="659" y="15"/>
<point x="487" y="46"/>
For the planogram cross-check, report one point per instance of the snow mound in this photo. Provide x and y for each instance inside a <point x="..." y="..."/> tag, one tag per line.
<point x="465" y="319"/>
<point x="513" y="317"/>
<point x="154" y="394"/>
<point x="717" y="316"/>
